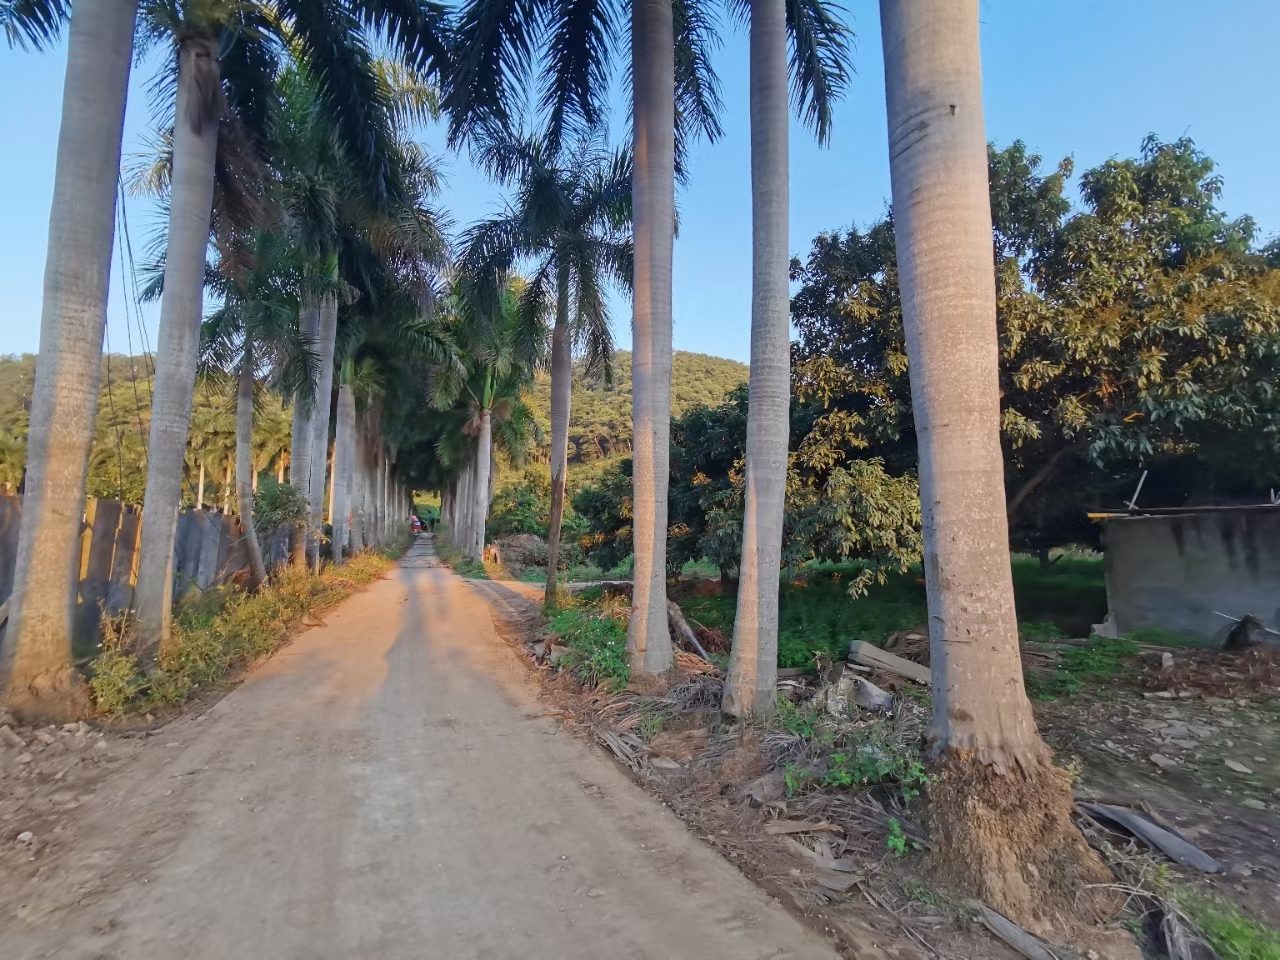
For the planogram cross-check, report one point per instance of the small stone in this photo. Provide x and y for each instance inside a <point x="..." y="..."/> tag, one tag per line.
<point x="83" y="728"/>
<point x="26" y="836"/>
<point x="1254" y="804"/>
<point x="595" y="892"/>
<point x="1238" y="871"/>
<point x="11" y="739"/>
<point x="556" y="654"/>
<point x="1237" y="766"/>
<point x="25" y="758"/>
<point x="1160" y="695"/>
<point x="1166" y="661"/>
<point x="1163" y="762"/>
<point x="664" y="763"/>
<point x="45" y="737"/>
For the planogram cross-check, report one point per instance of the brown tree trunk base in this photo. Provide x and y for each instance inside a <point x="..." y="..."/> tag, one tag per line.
<point x="55" y="696"/>
<point x="1008" y="840"/>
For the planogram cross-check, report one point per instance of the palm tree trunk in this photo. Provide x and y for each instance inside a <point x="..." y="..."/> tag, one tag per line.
<point x="195" y="145"/>
<point x="320" y="423"/>
<point x="357" y="493"/>
<point x="244" y="468"/>
<point x="35" y="656"/>
<point x="653" y="205"/>
<point x="753" y="663"/>
<point x="483" y="443"/>
<point x="226" y="488"/>
<point x="561" y="397"/>
<point x="200" y="489"/>
<point x="343" y="463"/>
<point x="989" y="758"/>
<point x="300" y="438"/>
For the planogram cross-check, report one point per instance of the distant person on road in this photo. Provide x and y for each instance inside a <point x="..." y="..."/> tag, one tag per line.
<point x="415" y="523"/>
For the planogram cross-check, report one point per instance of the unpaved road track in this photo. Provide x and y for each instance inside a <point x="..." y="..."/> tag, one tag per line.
<point x="387" y="786"/>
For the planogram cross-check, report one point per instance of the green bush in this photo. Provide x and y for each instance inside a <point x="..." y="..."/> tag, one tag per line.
<point x="596" y="635"/>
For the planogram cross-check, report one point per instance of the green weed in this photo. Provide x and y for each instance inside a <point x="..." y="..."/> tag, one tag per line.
<point x="596" y="635"/>
<point x="874" y="762"/>
<point x="1233" y="935"/>
<point x="897" y="841"/>
<point x="1095" y="664"/>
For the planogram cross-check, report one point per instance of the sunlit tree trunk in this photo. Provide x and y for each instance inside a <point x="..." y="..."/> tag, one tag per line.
<point x="343" y="468"/>
<point x="561" y="394"/>
<point x="753" y="663"/>
<point x="280" y="469"/>
<point x="653" y="206"/>
<point x="35" y="654"/>
<point x="357" y="491"/>
<point x="200" y="488"/>
<point x="999" y="811"/>
<point x="244" y="468"/>
<point x="300" y="438"/>
<point x="327" y="342"/>
<point x="195" y="145"/>
<point x="481" y="491"/>
<point x="226" y="488"/>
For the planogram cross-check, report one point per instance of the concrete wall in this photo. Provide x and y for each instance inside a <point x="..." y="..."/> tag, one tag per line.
<point x="1174" y="571"/>
<point x="207" y="551"/>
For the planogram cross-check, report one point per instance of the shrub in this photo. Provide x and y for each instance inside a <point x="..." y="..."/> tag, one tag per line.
<point x="596" y="635"/>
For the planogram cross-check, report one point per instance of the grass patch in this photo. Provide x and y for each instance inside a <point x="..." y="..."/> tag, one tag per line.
<point x="1160" y="637"/>
<point x="595" y="631"/>
<point x="223" y="629"/>
<point x="462" y="565"/>
<point x="818" y="617"/>
<point x="1233" y="935"/>
<point x="1102" y="660"/>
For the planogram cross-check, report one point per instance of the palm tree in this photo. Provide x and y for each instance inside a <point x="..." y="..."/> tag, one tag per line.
<point x="820" y="65"/>
<point x="572" y="216"/>
<point x="256" y="329"/>
<point x="35" y="659"/>
<point x="653" y="212"/>
<point x="500" y="346"/>
<point x="990" y="758"/>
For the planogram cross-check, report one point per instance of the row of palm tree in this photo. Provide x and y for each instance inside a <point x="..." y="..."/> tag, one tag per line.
<point x="570" y="220"/>
<point x="983" y="730"/>
<point x="223" y="84"/>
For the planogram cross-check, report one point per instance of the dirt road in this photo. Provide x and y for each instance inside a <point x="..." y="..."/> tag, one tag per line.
<point x="387" y="786"/>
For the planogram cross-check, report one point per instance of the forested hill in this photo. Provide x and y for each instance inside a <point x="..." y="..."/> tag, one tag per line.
<point x="117" y="462"/>
<point x="600" y="419"/>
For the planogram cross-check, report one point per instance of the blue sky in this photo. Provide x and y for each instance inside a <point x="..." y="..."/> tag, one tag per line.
<point x="1088" y="78"/>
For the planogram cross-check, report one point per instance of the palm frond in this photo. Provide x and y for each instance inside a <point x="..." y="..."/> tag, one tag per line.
<point x="33" y="23"/>
<point x="821" y="61"/>
<point x="576" y="66"/>
<point x="494" y="51"/>
<point x="416" y="29"/>
<point x="698" y="103"/>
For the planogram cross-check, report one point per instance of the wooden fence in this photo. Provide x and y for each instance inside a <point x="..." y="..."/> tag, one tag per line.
<point x="207" y="551"/>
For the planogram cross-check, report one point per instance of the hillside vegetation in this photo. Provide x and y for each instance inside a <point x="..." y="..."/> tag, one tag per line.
<point x="118" y="462"/>
<point x="600" y="420"/>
